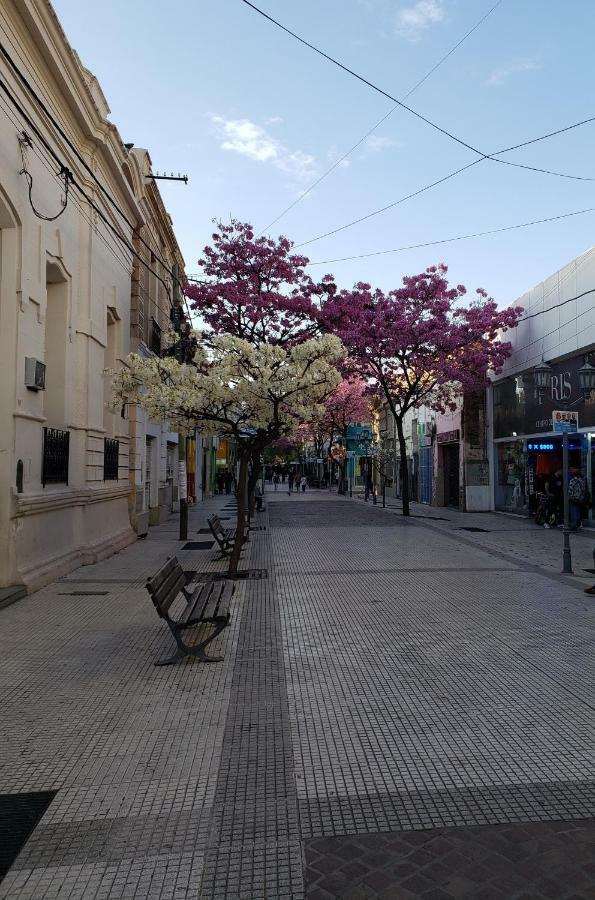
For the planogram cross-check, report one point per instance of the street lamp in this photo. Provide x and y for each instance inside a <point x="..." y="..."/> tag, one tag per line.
<point x="542" y="375"/>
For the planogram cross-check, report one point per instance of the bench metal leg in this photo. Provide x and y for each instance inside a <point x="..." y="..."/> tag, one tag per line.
<point x="171" y="660"/>
<point x="198" y="651"/>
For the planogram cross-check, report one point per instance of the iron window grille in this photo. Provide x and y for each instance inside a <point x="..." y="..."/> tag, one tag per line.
<point x="155" y="342"/>
<point x="56" y="447"/>
<point x="111" y="458"/>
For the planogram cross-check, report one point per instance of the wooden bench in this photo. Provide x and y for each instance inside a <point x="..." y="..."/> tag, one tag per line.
<point x="205" y="604"/>
<point x="224" y="536"/>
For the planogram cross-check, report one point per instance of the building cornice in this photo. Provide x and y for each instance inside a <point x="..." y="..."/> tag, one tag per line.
<point x="80" y="91"/>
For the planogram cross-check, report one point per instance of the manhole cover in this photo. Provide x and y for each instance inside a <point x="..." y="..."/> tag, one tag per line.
<point x="472" y="528"/>
<point x="198" y="545"/>
<point x="19" y="814"/>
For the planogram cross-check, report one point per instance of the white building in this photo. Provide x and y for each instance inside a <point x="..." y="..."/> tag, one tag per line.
<point x="68" y="287"/>
<point x="558" y="327"/>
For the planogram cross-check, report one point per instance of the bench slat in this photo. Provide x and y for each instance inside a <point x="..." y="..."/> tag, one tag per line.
<point x="225" y="600"/>
<point x="155" y="580"/>
<point x="196" y="605"/>
<point x="213" y="602"/>
<point x="166" y="593"/>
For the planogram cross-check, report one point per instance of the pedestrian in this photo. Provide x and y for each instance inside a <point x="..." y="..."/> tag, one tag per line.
<point x="303" y="483"/>
<point x="276" y="480"/>
<point x="577" y="493"/>
<point x="297" y="482"/>
<point x="290" y="483"/>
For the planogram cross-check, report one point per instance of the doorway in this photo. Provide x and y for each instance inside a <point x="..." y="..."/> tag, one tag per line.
<point x="450" y="463"/>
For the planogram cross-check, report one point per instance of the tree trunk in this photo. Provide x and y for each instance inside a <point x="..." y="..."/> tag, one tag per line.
<point x="403" y="468"/>
<point x="234" y="560"/>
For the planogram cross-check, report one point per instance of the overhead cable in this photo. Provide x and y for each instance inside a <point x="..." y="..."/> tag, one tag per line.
<point x="450" y="175"/>
<point x="43" y="106"/>
<point x="81" y="190"/>
<point x="383" y="119"/>
<point x="404" y="106"/>
<point x="450" y="240"/>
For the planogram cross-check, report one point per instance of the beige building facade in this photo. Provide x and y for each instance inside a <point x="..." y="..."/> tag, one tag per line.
<point x="74" y="299"/>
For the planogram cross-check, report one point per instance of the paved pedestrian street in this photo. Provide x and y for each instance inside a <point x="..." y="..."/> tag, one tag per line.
<point x="406" y="709"/>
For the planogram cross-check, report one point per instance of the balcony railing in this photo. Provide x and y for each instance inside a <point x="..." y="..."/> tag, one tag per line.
<point x="56" y="445"/>
<point x="111" y="459"/>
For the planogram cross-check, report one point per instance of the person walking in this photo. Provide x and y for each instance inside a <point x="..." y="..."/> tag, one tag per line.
<point x="297" y="482"/>
<point x="290" y="483"/>
<point x="303" y="483"/>
<point x="577" y="493"/>
<point x="275" y="481"/>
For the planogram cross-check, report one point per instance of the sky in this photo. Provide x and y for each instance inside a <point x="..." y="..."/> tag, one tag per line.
<point x="217" y="92"/>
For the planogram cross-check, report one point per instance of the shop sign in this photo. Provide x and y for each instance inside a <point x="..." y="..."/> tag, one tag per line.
<point x="541" y="446"/>
<point x="521" y="409"/>
<point x="425" y="440"/>
<point x="565" y="420"/>
<point x="448" y="437"/>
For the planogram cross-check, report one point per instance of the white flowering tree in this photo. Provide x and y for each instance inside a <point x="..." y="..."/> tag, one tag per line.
<point x="254" y="395"/>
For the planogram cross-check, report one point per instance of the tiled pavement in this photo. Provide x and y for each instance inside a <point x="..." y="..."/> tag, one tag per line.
<point x="405" y="709"/>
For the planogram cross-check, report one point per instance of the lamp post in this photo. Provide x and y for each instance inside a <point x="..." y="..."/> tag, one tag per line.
<point x="542" y="378"/>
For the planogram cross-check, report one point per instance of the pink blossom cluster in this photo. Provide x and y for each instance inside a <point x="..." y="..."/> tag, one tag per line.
<point x="256" y="288"/>
<point x="414" y="342"/>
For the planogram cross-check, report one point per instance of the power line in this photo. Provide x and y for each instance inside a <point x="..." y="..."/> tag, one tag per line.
<point x="80" y="189"/>
<point x="404" y="106"/>
<point x="365" y="81"/>
<point x="450" y="175"/>
<point x="75" y="150"/>
<point x="450" y="240"/>
<point x="384" y="118"/>
<point x="112" y="248"/>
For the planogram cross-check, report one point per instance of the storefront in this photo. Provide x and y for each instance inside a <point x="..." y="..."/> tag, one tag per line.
<point x="527" y="452"/>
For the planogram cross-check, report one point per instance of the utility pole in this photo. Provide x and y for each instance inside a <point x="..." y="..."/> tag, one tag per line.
<point x="177" y="315"/>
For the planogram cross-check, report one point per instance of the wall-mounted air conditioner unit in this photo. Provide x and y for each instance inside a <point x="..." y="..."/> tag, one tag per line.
<point x="34" y="374"/>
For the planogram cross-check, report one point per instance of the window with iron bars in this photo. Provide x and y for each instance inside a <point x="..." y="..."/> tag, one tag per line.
<point x="111" y="458"/>
<point x="56" y="449"/>
<point x="155" y="341"/>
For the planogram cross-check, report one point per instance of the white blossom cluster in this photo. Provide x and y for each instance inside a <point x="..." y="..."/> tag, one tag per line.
<point x="236" y="388"/>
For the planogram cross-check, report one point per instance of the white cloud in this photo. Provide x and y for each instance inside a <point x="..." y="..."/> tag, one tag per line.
<point x="413" y="20"/>
<point x="499" y="76"/>
<point x="376" y="143"/>
<point x="249" y="139"/>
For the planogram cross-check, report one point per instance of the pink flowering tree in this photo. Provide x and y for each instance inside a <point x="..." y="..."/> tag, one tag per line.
<point x="419" y="344"/>
<point x="256" y="289"/>
<point x="349" y="404"/>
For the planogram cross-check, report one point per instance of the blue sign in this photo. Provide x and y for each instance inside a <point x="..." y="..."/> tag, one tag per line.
<point x="359" y="439"/>
<point x="540" y="447"/>
<point x="565" y="420"/>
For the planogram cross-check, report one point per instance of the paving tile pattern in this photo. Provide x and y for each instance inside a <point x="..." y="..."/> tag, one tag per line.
<point x="546" y="861"/>
<point x="254" y="839"/>
<point x="452" y="689"/>
<point x="394" y="694"/>
<point x="132" y="750"/>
